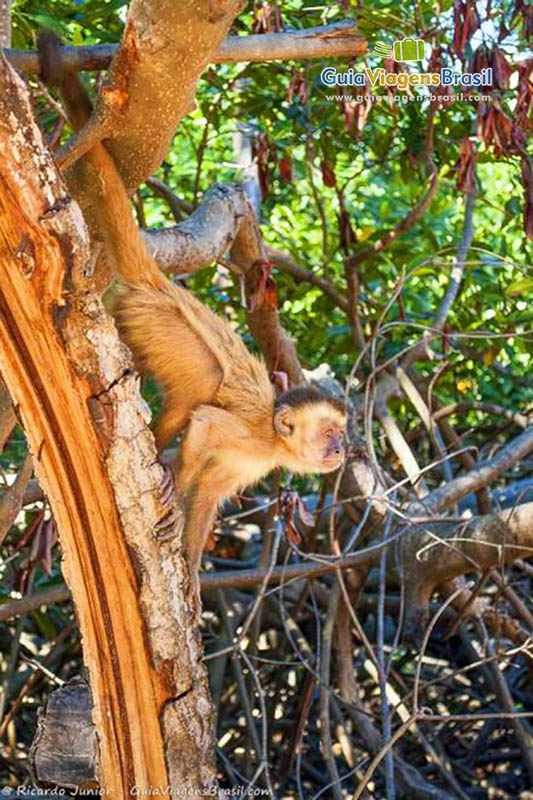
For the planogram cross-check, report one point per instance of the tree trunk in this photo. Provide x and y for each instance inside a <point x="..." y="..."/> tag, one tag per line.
<point x="77" y="396"/>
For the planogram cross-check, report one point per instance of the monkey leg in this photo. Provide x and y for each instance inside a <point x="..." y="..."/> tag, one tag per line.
<point x="168" y="423"/>
<point x="211" y="431"/>
<point x="201" y="508"/>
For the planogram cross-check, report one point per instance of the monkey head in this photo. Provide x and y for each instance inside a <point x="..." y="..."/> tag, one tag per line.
<point x="310" y="430"/>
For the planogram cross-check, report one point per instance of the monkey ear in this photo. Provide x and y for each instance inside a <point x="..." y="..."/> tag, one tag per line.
<point x="284" y="421"/>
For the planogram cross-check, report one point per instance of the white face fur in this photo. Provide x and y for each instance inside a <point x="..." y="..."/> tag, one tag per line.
<point x="312" y="435"/>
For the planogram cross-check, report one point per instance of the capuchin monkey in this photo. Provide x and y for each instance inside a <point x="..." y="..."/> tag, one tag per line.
<point x="216" y="393"/>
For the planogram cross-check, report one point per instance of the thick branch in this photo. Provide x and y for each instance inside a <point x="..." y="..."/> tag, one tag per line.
<point x="482" y="543"/>
<point x="164" y="49"/>
<point x="324" y="41"/>
<point x="223" y="219"/>
<point x="209" y="581"/>
<point x="455" y="490"/>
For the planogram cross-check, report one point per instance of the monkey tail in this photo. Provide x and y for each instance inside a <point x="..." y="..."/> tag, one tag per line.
<point x="111" y="210"/>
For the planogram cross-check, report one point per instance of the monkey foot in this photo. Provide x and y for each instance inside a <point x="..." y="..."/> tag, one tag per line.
<point x="172" y="522"/>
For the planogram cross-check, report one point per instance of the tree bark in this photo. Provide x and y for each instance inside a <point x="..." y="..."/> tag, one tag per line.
<point x="324" y="41"/>
<point x="77" y="396"/>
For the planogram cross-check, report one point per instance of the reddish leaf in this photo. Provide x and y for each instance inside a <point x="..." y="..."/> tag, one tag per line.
<point x="292" y="534"/>
<point x="481" y="59"/>
<point x="501" y="68"/>
<point x="524" y="103"/>
<point x="328" y="174"/>
<point x="261" y="151"/>
<point x="288" y="503"/>
<point x="466" y="167"/>
<point x="265" y="289"/>
<point x="527" y="177"/>
<point x="466" y="22"/>
<point x="305" y="515"/>
<point x="270" y="297"/>
<point x="298" y="87"/>
<point x="496" y="129"/>
<point x="285" y="169"/>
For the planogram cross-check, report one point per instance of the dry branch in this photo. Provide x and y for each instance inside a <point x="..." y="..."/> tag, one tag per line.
<point x="7" y="415"/>
<point x="287" y="264"/>
<point x="12" y="499"/>
<point x="324" y="41"/>
<point x="453" y="491"/>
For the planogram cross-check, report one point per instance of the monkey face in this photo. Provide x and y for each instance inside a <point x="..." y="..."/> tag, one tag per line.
<point x="312" y="436"/>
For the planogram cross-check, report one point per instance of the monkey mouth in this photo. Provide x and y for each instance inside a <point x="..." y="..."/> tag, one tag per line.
<point x="333" y="462"/>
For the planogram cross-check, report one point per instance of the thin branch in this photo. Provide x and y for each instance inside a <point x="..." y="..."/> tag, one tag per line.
<point x="12" y="498"/>
<point x="408" y="222"/>
<point x="287" y="264"/>
<point x="8" y="419"/>
<point x="177" y="206"/>
<point x="488" y="408"/>
<point x="459" y="266"/>
<point x="324" y="41"/>
<point x="453" y="287"/>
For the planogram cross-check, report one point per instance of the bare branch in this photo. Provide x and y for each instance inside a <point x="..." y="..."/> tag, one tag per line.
<point x="408" y="222"/>
<point x="488" y="408"/>
<point x="224" y="220"/>
<point x="324" y="41"/>
<point x="5" y="23"/>
<point x="447" y="495"/>
<point x="453" y="287"/>
<point x="13" y="497"/>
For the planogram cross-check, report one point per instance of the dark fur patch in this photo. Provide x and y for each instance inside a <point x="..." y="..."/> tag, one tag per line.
<point x="306" y="396"/>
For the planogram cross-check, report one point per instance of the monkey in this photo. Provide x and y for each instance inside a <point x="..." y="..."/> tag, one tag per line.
<point x="216" y="394"/>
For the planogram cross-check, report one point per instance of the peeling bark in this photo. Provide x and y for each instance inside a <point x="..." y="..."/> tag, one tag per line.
<point x="78" y="399"/>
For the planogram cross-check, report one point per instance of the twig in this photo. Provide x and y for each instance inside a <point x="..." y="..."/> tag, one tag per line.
<point x="380" y="755"/>
<point x="287" y="264"/>
<point x="488" y="408"/>
<point x="177" y="206"/>
<point x="325" y="667"/>
<point x="453" y="286"/>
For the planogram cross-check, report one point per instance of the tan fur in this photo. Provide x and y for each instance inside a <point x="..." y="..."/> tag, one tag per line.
<point x="213" y="387"/>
